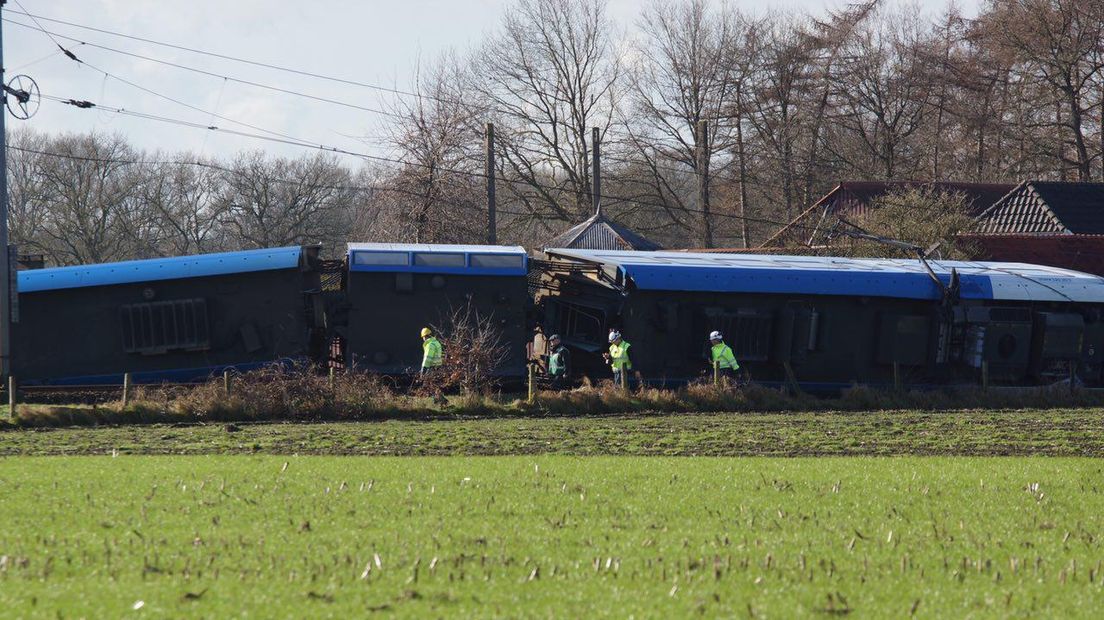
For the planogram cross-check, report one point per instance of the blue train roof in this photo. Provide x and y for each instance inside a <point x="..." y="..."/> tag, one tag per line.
<point x="484" y="260"/>
<point x="128" y="272"/>
<point x="820" y="275"/>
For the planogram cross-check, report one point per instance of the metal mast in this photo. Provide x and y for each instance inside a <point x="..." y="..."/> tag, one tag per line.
<point x="6" y="274"/>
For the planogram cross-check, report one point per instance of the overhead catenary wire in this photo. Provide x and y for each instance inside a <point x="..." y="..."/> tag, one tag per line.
<point x="208" y="113"/>
<point x="35" y="20"/>
<point x="82" y="104"/>
<point x="228" y="57"/>
<point x="225" y="169"/>
<point x="291" y="70"/>
<point x="291" y="140"/>
<point x="212" y="74"/>
<point x="54" y="36"/>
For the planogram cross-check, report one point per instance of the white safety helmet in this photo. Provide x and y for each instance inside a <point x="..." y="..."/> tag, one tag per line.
<point x="614" y="335"/>
<point x="715" y="335"/>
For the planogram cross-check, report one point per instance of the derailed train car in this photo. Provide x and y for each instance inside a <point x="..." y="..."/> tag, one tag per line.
<point x="829" y="322"/>
<point x="394" y="290"/>
<point x="170" y="319"/>
<point x="822" y="322"/>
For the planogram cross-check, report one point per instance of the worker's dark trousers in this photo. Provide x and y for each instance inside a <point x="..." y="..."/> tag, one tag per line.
<point x="628" y="377"/>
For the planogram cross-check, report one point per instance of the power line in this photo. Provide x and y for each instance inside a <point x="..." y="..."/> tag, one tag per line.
<point x="246" y="61"/>
<point x="87" y="104"/>
<point x="266" y="65"/>
<point x="54" y="35"/>
<point x="34" y="62"/>
<point x="35" y="20"/>
<point x="286" y="139"/>
<point x="278" y="136"/>
<point x="331" y="149"/>
<point x="228" y="170"/>
<point x="209" y="73"/>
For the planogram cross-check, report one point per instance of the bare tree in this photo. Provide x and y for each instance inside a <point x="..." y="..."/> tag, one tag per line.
<point x="183" y="194"/>
<point x="881" y="99"/>
<point x="270" y="202"/>
<point x="690" y="67"/>
<point x="91" y="192"/>
<point x="1059" y="44"/>
<point x="830" y="39"/>
<point x="548" y="76"/>
<point x="28" y="208"/>
<point x="438" y="190"/>
<point x="779" y="106"/>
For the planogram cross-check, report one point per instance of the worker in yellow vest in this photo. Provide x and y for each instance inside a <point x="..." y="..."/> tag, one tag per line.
<point x="432" y="357"/>
<point x="618" y="357"/>
<point x="721" y="355"/>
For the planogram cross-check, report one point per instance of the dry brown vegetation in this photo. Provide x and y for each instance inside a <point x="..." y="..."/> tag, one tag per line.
<point x="303" y="394"/>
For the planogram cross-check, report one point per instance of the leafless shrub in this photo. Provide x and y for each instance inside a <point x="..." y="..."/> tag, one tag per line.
<point x="473" y="352"/>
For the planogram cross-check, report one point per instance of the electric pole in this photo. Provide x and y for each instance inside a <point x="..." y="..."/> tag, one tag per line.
<point x="703" y="183"/>
<point x="7" y="285"/>
<point x="492" y="227"/>
<point x="596" y="172"/>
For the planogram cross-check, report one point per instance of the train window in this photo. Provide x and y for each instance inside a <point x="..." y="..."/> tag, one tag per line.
<point x="577" y="322"/>
<point x="498" y="261"/>
<point x="439" y="259"/>
<point x="748" y="332"/>
<point x="163" y="326"/>
<point x="386" y="259"/>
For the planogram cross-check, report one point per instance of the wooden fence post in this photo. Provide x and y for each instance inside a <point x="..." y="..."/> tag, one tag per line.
<point x="791" y="378"/>
<point x="13" y="398"/>
<point x="332" y="378"/>
<point x="532" y="383"/>
<point x="226" y="381"/>
<point x="126" y="389"/>
<point x="716" y="372"/>
<point x="624" y="379"/>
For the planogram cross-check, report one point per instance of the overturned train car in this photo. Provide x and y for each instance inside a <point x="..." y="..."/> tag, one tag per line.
<point x="394" y="290"/>
<point x="171" y="319"/>
<point x="827" y="323"/>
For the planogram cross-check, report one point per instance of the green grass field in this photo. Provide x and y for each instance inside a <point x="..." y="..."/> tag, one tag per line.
<point x="1052" y="432"/>
<point x="546" y="535"/>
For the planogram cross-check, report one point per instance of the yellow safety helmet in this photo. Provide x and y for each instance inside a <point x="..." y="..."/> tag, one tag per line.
<point x="426" y="332"/>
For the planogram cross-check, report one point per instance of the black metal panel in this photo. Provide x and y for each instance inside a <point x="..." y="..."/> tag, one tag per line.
<point x="1060" y="335"/>
<point x="903" y="339"/>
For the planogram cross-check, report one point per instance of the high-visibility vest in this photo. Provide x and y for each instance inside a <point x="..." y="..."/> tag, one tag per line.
<point x="431" y="353"/>
<point x="619" y="356"/>
<point x="557" y="362"/>
<point x="722" y="353"/>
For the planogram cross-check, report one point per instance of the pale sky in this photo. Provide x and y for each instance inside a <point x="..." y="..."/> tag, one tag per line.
<point x="371" y="41"/>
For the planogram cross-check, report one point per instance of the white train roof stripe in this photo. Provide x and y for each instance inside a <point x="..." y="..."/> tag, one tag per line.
<point x="436" y="248"/>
